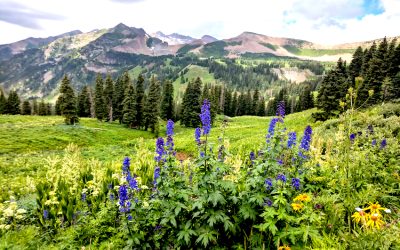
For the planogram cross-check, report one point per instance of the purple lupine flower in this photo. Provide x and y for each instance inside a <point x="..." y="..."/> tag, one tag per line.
<point x="123" y="198"/>
<point x="383" y="144"/>
<point x="280" y="162"/>
<point x="268" y="183"/>
<point x="305" y="141"/>
<point x="267" y="202"/>
<point x="296" y="183"/>
<point x="83" y="197"/>
<point x="202" y="154"/>
<point x="129" y="217"/>
<point x="159" y="150"/>
<point x="252" y="157"/>
<point x="170" y="133"/>
<point x="170" y="128"/>
<point x="280" y="110"/>
<point x="271" y="129"/>
<point x="156" y="175"/>
<point x="352" y="137"/>
<point x="281" y="177"/>
<point x="125" y="165"/>
<point x="132" y="182"/>
<point x="373" y="142"/>
<point x="197" y="134"/>
<point x="45" y="214"/>
<point x="291" y="140"/>
<point x="205" y="117"/>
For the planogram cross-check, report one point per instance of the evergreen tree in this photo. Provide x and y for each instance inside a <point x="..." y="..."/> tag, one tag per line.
<point x="191" y="104"/>
<point x="234" y="106"/>
<point x="13" y="103"/>
<point x="84" y="103"/>
<point x="68" y="102"/>
<point x="306" y="99"/>
<point x="42" y="108"/>
<point x="99" y="103"/>
<point x="152" y="106"/>
<point x="372" y="81"/>
<point x="368" y="54"/>
<point x="129" y="104"/>
<point x="139" y="104"/>
<point x="3" y="102"/>
<point x="228" y="102"/>
<point x="57" y="107"/>
<point x="167" y="102"/>
<point x="48" y="109"/>
<point x="356" y="64"/>
<point x="261" y="107"/>
<point x="119" y="95"/>
<point x="242" y="105"/>
<point x="26" y="108"/>
<point x="108" y="97"/>
<point x="393" y="60"/>
<point x="256" y="102"/>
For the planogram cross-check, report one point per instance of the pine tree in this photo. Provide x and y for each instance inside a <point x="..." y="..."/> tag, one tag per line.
<point x="57" y="107"/>
<point x="368" y="54"/>
<point x="393" y="60"/>
<point x="256" y="102"/>
<point x="139" y="104"/>
<point x="3" y="102"/>
<point x="84" y="103"/>
<point x="228" y="102"/>
<point x="68" y="102"/>
<point x="242" y="105"/>
<point x="306" y="99"/>
<point x="108" y="97"/>
<point x="129" y="104"/>
<point x="372" y="81"/>
<point x="119" y="95"/>
<point x="48" y="109"/>
<point x="152" y="106"/>
<point x="26" y="108"/>
<point x="261" y="107"/>
<point x="13" y="103"/>
<point x="234" y="106"/>
<point x="191" y="104"/>
<point x="42" y="108"/>
<point x="99" y="103"/>
<point x="356" y="63"/>
<point x="167" y="102"/>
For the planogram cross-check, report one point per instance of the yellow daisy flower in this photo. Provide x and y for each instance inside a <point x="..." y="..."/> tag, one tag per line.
<point x="297" y="206"/>
<point x="375" y="221"/>
<point x="303" y="197"/>
<point x="374" y="208"/>
<point x="359" y="216"/>
<point x="284" y="248"/>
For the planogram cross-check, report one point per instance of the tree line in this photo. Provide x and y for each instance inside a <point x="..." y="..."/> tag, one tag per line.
<point x="13" y="105"/>
<point x="372" y="77"/>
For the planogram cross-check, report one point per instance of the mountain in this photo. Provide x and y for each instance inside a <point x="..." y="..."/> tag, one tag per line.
<point x="174" y="38"/>
<point x="35" y="66"/>
<point x="9" y="50"/>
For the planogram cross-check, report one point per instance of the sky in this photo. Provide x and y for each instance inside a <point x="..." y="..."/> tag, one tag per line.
<point x="320" y="21"/>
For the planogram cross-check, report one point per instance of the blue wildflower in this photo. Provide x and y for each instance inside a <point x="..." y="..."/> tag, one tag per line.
<point x="267" y="202"/>
<point x="373" y="142"/>
<point x="83" y="197"/>
<point x="305" y="141"/>
<point x="271" y="129"/>
<point x="123" y="198"/>
<point x="252" y="157"/>
<point x="268" y="183"/>
<point x="280" y="110"/>
<point x="45" y="214"/>
<point x="280" y="161"/>
<point x="159" y="149"/>
<point x="129" y="217"/>
<point x="111" y="197"/>
<point x="125" y="165"/>
<point x="170" y="133"/>
<point x="221" y="152"/>
<point x="156" y="175"/>
<point x="296" y="183"/>
<point x="202" y="154"/>
<point x="292" y="140"/>
<point x="197" y="134"/>
<point x="132" y="182"/>
<point x="352" y="137"/>
<point x="281" y="177"/>
<point x="170" y="128"/>
<point x="205" y="117"/>
<point x="370" y="129"/>
<point x="383" y="144"/>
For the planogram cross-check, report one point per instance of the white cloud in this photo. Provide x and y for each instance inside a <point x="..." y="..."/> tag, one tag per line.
<point x="318" y="21"/>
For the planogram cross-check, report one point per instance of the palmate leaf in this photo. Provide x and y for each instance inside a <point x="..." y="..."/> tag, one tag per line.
<point x="216" y="198"/>
<point x="206" y="237"/>
<point x="248" y="212"/>
<point x="186" y="235"/>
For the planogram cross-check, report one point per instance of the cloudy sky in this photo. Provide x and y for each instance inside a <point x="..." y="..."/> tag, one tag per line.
<point x="321" y="21"/>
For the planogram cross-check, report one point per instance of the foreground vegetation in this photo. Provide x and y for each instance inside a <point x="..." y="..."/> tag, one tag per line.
<point x="335" y="186"/>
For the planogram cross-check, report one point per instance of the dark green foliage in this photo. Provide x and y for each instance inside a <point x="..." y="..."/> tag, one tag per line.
<point x="119" y="95"/>
<point x="356" y="64"/>
<point x="228" y="102"/>
<point x="13" y="103"/>
<point x="255" y="102"/>
<point x="108" y="97"/>
<point x="68" y="102"/>
<point x="167" y="102"/>
<point x="261" y="107"/>
<point x="234" y="106"/>
<point x="42" y="108"/>
<point x="306" y="99"/>
<point x="26" y="108"/>
<point x="3" y="102"/>
<point x="191" y="104"/>
<point x="57" y="107"/>
<point x="84" y="103"/>
<point x="139" y="104"/>
<point x="99" y="101"/>
<point x="129" y="104"/>
<point x="152" y="106"/>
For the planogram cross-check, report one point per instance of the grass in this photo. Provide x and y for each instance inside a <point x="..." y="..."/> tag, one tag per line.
<point x="270" y="46"/>
<point x="316" y="52"/>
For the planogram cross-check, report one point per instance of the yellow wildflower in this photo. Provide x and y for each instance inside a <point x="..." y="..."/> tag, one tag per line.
<point x="284" y="248"/>
<point x="359" y="216"/>
<point x="374" y="208"/>
<point x="303" y="197"/>
<point x="375" y="221"/>
<point x="297" y="206"/>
